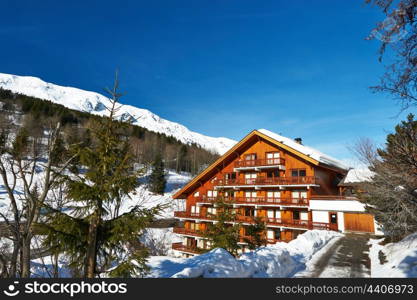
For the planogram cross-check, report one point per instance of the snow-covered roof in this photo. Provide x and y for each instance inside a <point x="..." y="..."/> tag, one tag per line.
<point x="313" y="153"/>
<point x="358" y="175"/>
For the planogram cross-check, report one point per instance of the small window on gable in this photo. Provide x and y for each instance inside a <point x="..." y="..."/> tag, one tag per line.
<point x="230" y="175"/>
<point x="196" y="194"/>
<point x="251" y="156"/>
<point x="298" y="172"/>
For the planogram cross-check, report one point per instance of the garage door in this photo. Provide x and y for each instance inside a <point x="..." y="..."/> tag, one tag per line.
<point x="359" y="222"/>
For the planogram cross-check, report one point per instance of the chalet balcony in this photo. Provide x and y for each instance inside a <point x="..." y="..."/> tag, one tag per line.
<point x="265" y="201"/>
<point x="295" y="224"/>
<point x="188" y="249"/>
<point x="190" y="215"/>
<point x="302" y="224"/>
<point x="190" y="232"/>
<point x="260" y="164"/>
<point x="260" y="182"/>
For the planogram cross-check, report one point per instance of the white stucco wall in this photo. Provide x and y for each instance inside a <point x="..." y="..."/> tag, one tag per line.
<point x="337" y="205"/>
<point x="320" y="216"/>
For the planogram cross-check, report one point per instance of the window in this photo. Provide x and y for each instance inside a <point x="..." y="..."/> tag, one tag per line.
<point x="211" y="211"/>
<point x="250" y="194"/>
<point x="273" y="214"/>
<point x="273" y="234"/>
<point x="195" y="210"/>
<point x="196" y="194"/>
<point x="211" y="193"/>
<point x="298" y="172"/>
<point x="249" y="211"/>
<point x="272" y="158"/>
<point x="304" y="216"/>
<point x="273" y="196"/>
<point x="230" y="175"/>
<point x="250" y="178"/>
<point x="299" y="194"/>
<point x="296" y="215"/>
<point x="251" y="156"/>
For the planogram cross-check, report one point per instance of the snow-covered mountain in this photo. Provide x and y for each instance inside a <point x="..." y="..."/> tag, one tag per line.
<point x="95" y="103"/>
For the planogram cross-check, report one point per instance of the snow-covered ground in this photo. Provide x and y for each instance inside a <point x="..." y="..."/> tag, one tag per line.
<point x="95" y="103"/>
<point x="394" y="259"/>
<point x="279" y="260"/>
<point x="158" y="240"/>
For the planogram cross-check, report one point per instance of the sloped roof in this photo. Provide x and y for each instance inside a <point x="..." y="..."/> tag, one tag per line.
<point x="313" y="153"/>
<point x="356" y="176"/>
<point x="309" y="154"/>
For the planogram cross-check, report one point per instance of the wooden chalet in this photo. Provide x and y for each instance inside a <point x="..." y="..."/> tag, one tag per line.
<point x="291" y="187"/>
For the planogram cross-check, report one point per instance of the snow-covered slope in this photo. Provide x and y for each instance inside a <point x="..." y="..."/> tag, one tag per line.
<point x="95" y="103"/>
<point x="398" y="259"/>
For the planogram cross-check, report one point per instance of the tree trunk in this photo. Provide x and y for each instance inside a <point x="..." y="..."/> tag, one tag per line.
<point x="26" y="256"/>
<point x="91" y="256"/>
<point x="13" y="260"/>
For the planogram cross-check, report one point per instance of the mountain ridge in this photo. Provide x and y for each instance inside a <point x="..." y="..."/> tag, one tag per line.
<point x="95" y="103"/>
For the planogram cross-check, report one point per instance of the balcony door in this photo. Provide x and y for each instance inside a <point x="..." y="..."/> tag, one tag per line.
<point x="299" y="196"/>
<point x="273" y="196"/>
<point x="251" y="196"/>
<point x="250" y="178"/>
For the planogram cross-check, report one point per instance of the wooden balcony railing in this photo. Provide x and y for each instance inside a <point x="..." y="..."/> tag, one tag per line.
<point x="258" y="200"/>
<point x="306" y="224"/>
<point x="260" y="162"/>
<point x="181" y="247"/>
<point x="266" y="181"/>
<point x="270" y="201"/>
<point x="193" y="232"/>
<point x="186" y="214"/>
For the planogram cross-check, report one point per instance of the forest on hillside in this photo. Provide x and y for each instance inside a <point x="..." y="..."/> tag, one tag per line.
<point x="34" y="114"/>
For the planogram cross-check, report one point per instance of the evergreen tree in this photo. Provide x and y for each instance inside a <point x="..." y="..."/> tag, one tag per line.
<point x="182" y="159"/>
<point x="90" y="230"/>
<point x="391" y="193"/>
<point x="157" y="181"/>
<point x="222" y="233"/>
<point x="255" y="234"/>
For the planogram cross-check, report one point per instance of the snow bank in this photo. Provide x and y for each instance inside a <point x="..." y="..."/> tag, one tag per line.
<point x="400" y="258"/>
<point x="279" y="260"/>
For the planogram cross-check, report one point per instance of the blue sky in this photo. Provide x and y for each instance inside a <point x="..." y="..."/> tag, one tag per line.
<point x="221" y="68"/>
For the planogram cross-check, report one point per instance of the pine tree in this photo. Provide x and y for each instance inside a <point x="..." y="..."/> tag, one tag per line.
<point x="255" y="234"/>
<point x="222" y="233"/>
<point x="157" y="181"/>
<point x="391" y="193"/>
<point x="90" y="230"/>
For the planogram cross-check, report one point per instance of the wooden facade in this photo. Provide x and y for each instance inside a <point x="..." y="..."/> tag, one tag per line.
<point x="261" y="177"/>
